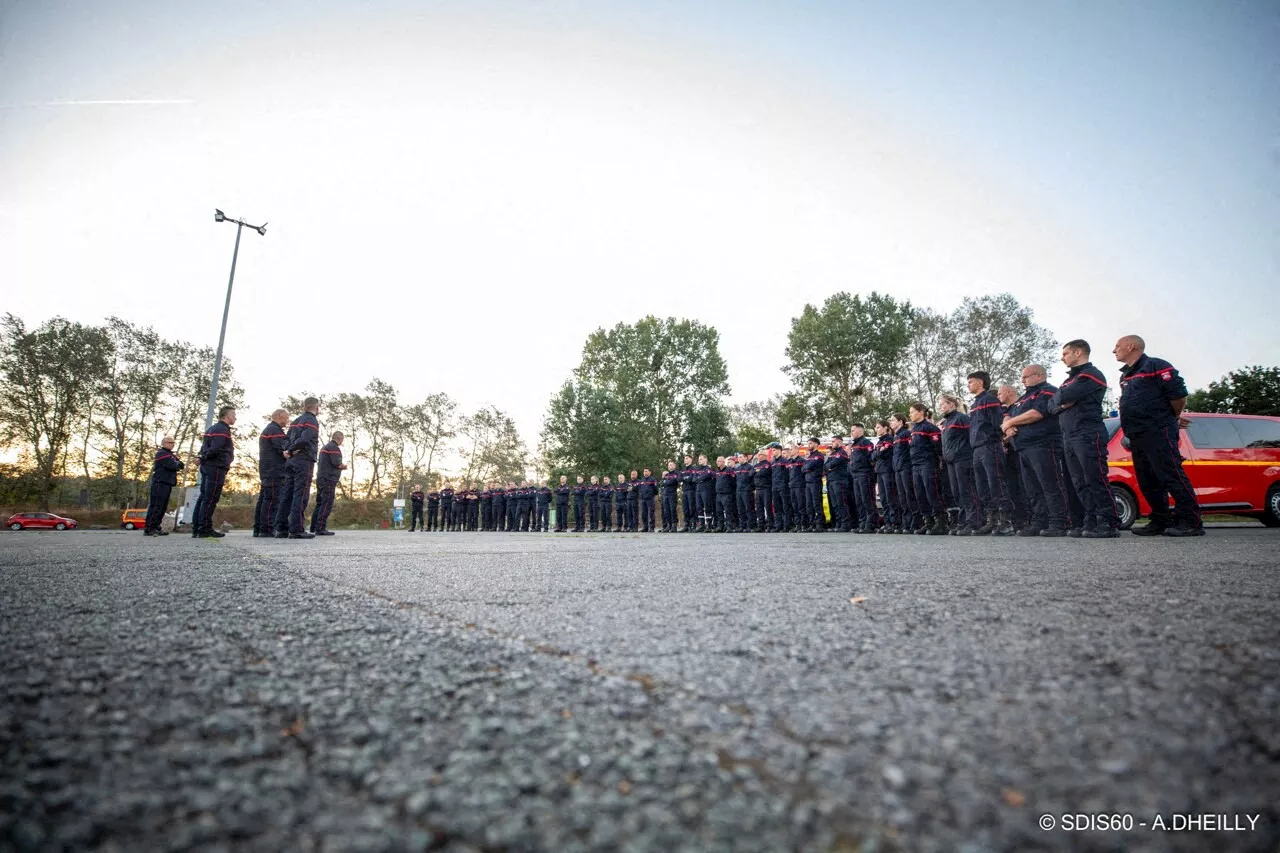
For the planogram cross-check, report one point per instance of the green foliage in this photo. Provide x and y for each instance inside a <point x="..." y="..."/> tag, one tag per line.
<point x="492" y="449"/>
<point x="999" y="335"/>
<point x="1249" y="391"/>
<point x="843" y="353"/>
<point x="642" y="393"/>
<point x="46" y="382"/>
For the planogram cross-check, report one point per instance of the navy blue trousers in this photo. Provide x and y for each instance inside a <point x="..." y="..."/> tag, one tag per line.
<point x="300" y="470"/>
<point x="838" y="501"/>
<point x="928" y="489"/>
<point x="1158" y="467"/>
<point x="211" y="481"/>
<point x="864" y="500"/>
<point x="264" y="514"/>
<point x="1043" y="483"/>
<point x="963" y="489"/>
<point x="157" y="505"/>
<point x="889" y="499"/>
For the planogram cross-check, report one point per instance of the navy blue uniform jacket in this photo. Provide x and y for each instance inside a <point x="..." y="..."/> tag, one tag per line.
<point x="1146" y="390"/>
<point x="330" y="468"/>
<point x="304" y="437"/>
<point x="956" y="444"/>
<point x="1083" y="391"/>
<point x="271" y="451"/>
<point x="165" y="468"/>
<point x="216" y="448"/>
<point x="1043" y="432"/>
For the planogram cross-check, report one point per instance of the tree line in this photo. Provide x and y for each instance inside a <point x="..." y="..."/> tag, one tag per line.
<point x="82" y="408"/>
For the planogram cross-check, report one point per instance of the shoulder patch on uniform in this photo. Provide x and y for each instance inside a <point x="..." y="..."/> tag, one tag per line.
<point x="1167" y="375"/>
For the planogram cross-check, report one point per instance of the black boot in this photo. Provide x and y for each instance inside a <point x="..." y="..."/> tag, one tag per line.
<point x="988" y="524"/>
<point x="939" y="527"/>
<point x="1003" y="526"/>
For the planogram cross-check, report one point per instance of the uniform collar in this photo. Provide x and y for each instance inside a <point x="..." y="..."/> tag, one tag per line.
<point x="1138" y="366"/>
<point x="1079" y="367"/>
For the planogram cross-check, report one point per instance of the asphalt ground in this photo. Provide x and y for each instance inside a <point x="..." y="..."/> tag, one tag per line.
<point x="564" y="692"/>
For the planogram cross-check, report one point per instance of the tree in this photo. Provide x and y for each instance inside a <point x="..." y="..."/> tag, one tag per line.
<point x="754" y="424"/>
<point x="492" y="449"/>
<point x="845" y="353"/>
<point x="45" y="379"/>
<point x="999" y="335"/>
<point x="1249" y="391"/>
<point x="427" y="425"/>
<point x="641" y="393"/>
<point x="931" y="364"/>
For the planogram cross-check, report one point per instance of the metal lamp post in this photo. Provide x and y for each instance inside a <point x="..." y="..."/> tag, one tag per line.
<point x="219" y="216"/>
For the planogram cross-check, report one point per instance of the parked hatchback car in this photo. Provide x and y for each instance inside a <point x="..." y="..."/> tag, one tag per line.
<point x="132" y="519"/>
<point x="1233" y="462"/>
<point x="40" y="520"/>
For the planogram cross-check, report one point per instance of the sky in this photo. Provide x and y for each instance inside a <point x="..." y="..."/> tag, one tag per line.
<point x="458" y="193"/>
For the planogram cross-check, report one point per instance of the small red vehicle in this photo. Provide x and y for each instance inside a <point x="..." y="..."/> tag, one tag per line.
<point x="1232" y="461"/>
<point x="40" y="521"/>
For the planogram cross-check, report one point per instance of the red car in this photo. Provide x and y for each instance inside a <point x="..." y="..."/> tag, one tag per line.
<point x="1233" y="462"/>
<point x="40" y="520"/>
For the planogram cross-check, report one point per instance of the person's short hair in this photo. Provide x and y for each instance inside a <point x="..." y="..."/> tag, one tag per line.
<point x="337" y="434"/>
<point x="859" y="426"/>
<point x="815" y="439"/>
<point x="222" y="412"/>
<point x="310" y="402"/>
<point x="1080" y="344"/>
<point x="983" y="377"/>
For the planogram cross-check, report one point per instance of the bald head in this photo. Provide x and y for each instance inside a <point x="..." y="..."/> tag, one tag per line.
<point x="1129" y="349"/>
<point x="1033" y="374"/>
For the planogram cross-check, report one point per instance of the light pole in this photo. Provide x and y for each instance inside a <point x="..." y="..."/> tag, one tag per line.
<point x="219" y="216"/>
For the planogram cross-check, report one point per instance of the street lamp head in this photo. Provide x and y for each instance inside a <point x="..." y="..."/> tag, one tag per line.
<point x="262" y="229"/>
<point x="219" y="216"/>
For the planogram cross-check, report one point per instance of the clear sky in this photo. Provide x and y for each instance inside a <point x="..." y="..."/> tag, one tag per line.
<point x="458" y="193"/>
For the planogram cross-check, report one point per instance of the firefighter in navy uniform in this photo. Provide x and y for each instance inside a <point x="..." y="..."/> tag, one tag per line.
<point x="302" y="446"/>
<point x="499" y="507"/>
<point x="780" y="490"/>
<point x="271" y="472"/>
<point x="957" y="456"/>
<point x="164" y="476"/>
<point x="486" y="507"/>
<point x="990" y="463"/>
<point x="580" y="505"/>
<point x="762" y="480"/>
<point x="862" y="484"/>
<point x="217" y="451"/>
<point x="1037" y="436"/>
<point x="836" y="467"/>
<point x="723" y="483"/>
<point x="670" y="482"/>
<point x="1078" y="405"/>
<point x="743" y="480"/>
<point x="912" y="519"/>
<point x="542" y="508"/>
<point x="633" y="503"/>
<point x="563" y="492"/>
<point x="416" y="500"/>
<point x="883" y="460"/>
<point x="593" y="504"/>
<point x="329" y="470"/>
<point x="688" y="493"/>
<point x="647" y="492"/>
<point x="925" y="445"/>
<point x="620" y="490"/>
<point x="811" y="468"/>
<point x="446" y="507"/>
<point x="433" y="511"/>
<point x="1013" y="464"/>
<point x="1152" y="398"/>
<point x="800" y="515"/>
<point x="606" y="504"/>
